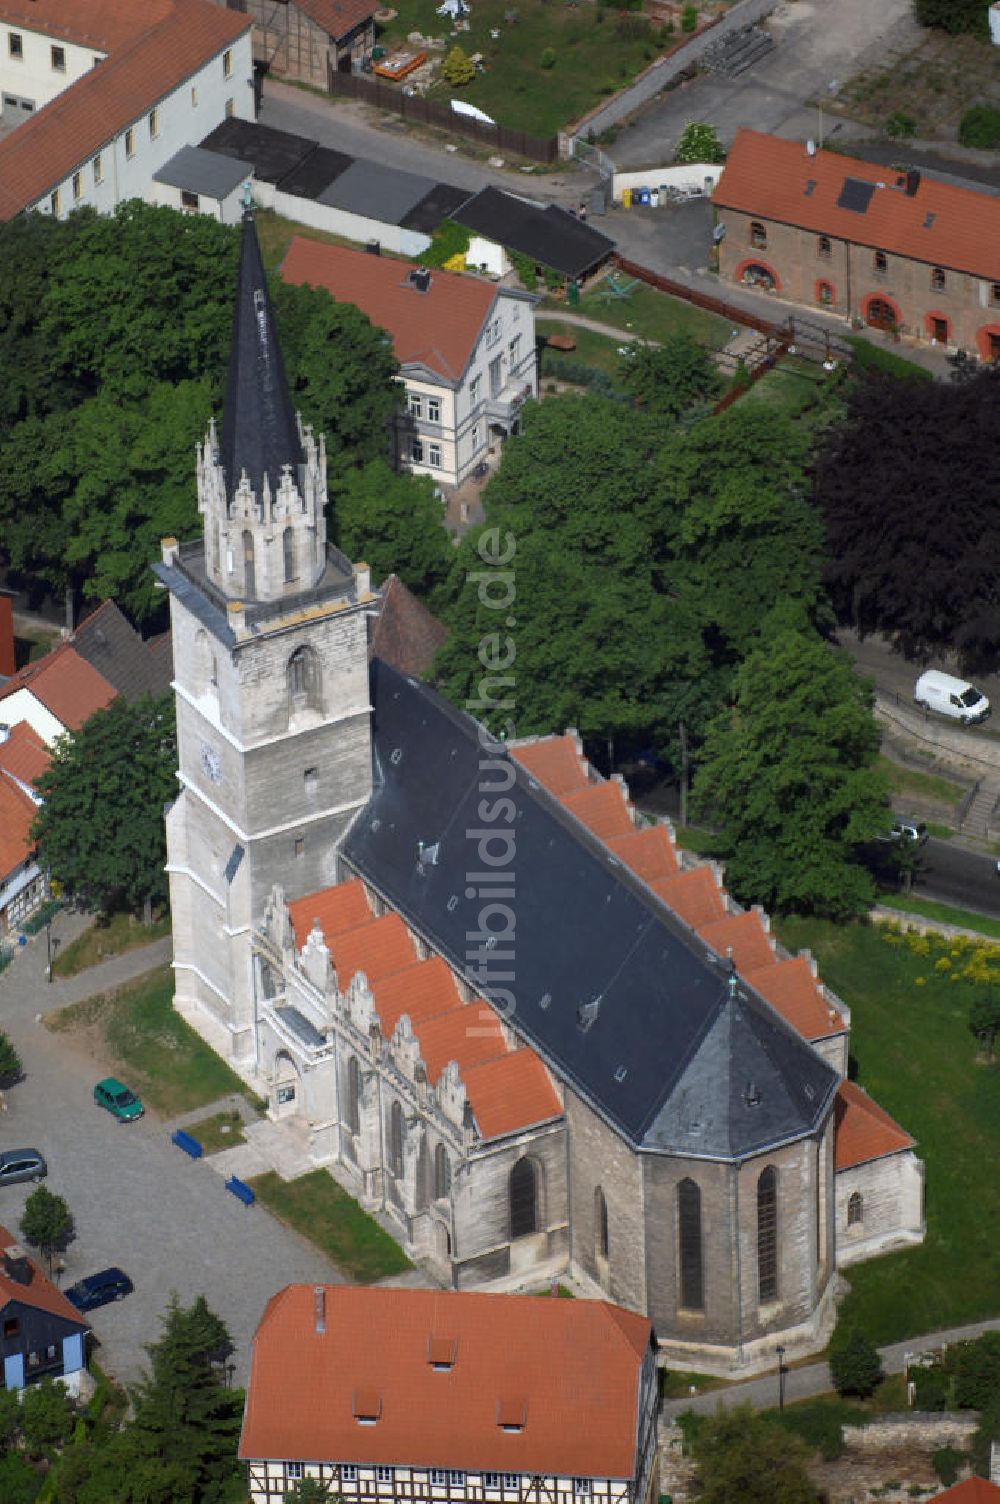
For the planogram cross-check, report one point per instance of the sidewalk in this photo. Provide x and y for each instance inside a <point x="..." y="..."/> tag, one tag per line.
<point x="26" y="993"/>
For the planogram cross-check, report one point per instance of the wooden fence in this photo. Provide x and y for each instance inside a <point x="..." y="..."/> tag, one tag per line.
<point x="385" y="96"/>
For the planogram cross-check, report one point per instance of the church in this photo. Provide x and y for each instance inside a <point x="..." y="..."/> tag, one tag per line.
<point x="496" y="1000"/>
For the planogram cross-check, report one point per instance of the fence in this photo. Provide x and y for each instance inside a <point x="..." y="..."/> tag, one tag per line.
<point x="383" y="96"/>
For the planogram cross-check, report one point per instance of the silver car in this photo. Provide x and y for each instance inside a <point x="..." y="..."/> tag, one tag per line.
<point x="21" y="1164"/>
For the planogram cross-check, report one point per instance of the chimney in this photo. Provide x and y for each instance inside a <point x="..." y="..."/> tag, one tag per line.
<point x="912" y="182"/>
<point x="15" y="1264"/>
<point x="319" y="1309"/>
<point x="419" y="278"/>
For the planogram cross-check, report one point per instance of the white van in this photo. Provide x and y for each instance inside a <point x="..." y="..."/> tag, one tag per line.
<point x="951" y="697"/>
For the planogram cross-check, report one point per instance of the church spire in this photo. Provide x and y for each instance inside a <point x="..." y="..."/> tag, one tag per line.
<point x="262" y="489"/>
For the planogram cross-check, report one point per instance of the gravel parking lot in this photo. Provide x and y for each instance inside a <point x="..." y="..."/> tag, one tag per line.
<point x="137" y="1201"/>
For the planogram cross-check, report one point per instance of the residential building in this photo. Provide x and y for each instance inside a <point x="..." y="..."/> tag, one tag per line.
<point x="41" y="1335"/>
<point x="103" y="95"/>
<point x="426" y="1395"/>
<point x="900" y="251"/>
<point x="309" y="39"/>
<point x="107" y="640"/>
<point x="465" y="346"/>
<point x="466" y="972"/>
<point x="54" y="694"/>
<point x="405" y="633"/>
<point x="23" y="886"/>
<point x="970" y="1491"/>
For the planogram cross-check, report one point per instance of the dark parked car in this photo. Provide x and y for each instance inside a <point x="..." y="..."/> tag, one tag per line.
<point x="99" y="1289"/>
<point x="21" y="1164"/>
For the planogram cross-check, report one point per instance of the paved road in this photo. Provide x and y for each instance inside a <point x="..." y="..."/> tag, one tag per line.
<point x="896" y="675"/>
<point x="955" y="875"/>
<point x="137" y="1200"/>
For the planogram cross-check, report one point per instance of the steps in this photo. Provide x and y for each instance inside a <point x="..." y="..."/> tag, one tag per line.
<point x="735" y="53"/>
<point x="978" y="815"/>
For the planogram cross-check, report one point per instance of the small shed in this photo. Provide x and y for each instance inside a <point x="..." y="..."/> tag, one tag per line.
<point x="202" y="182"/>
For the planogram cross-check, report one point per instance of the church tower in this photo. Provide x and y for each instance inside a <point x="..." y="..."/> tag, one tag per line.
<point x="270" y="678"/>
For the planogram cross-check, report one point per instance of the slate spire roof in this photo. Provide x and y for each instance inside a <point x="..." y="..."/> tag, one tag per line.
<point x="259" y="431"/>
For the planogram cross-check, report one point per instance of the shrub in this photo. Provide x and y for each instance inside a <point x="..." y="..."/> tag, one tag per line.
<point x="900" y="124"/>
<point x="699" y="142"/>
<point x="821" y="1425"/>
<point x="458" y="68"/>
<point x="689" y="18"/>
<point x="548" y="58"/>
<point x="947" y="1462"/>
<point x="855" y="1366"/>
<point x="930" y="1388"/>
<point x="980" y="126"/>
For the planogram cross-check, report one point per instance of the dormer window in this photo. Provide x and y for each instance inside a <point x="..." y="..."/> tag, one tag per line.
<point x="367" y="1406"/>
<point x="441" y="1353"/>
<point x="512" y="1413"/>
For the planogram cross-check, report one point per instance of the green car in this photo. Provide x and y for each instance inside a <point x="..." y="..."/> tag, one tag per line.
<point x="124" y="1104"/>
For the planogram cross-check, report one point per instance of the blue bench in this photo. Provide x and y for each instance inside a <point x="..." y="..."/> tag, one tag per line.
<point x="241" y="1191"/>
<point x="187" y="1143"/>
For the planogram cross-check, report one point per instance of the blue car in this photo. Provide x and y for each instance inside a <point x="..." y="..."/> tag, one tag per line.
<point x="99" y="1289"/>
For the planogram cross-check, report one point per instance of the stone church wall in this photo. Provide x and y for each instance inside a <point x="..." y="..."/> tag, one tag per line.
<point x="600" y="1159"/>
<point x="892" y="1206"/>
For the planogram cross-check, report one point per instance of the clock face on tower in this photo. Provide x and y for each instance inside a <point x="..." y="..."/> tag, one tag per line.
<point x="211" y="762"/>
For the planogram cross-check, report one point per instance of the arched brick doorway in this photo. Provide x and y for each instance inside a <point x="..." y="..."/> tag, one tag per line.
<point x="757" y="273"/>
<point x="988" y="342"/>
<point x="881" y="313"/>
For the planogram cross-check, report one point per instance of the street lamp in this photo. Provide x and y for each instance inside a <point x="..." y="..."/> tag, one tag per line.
<point x="52" y="946"/>
<point x="781" y="1377"/>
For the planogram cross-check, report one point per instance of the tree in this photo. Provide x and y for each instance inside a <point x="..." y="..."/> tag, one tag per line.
<point x="855" y="1365"/>
<point x="953" y="16"/>
<point x="671" y="378"/>
<point x="10" y="1063"/>
<point x="47" y="1418"/>
<point x="976" y="1367"/>
<point x="395" y="523"/>
<point x="886" y="487"/>
<point x="788" y="773"/>
<point x="187" y="1423"/>
<point x="984" y="1021"/>
<point x="743" y="1456"/>
<point x="47" y="1223"/>
<point x="100" y="829"/>
<point x="458" y="68"/>
<point x="699" y="143"/>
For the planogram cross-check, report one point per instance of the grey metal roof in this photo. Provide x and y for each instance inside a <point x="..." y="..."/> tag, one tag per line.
<point x="620" y="997"/>
<point x="547" y="233"/>
<point x="376" y="191"/>
<point x="211" y="173"/>
<point x="259" y="432"/>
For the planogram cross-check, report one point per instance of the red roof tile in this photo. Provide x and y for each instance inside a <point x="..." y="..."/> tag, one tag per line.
<point x="648" y="852"/>
<point x="152" y="48"/>
<point x="419" y="991"/>
<point x="17" y="811"/>
<point x="862" y="1129"/>
<point x="64" y="683"/>
<point x="337" y="17"/>
<point x="342" y="907"/>
<point x="469" y="1035"/>
<point x="603" y="808"/>
<point x="769" y="177"/>
<point x="41" y="1292"/>
<point x="24" y="755"/>
<point x="694" y="896"/>
<point x="405" y="634"/>
<point x="378" y="948"/>
<point x="969" y="1491"/>
<point x="574" y="1367"/>
<point x="437" y="329"/>
<point x="555" y="762"/>
<point x="791" y="987"/>
<point x="744" y="935"/>
<point x="510" y="1093"/>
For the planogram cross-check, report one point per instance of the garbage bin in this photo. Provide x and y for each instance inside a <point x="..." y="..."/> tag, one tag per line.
<point x="654" y="199"/>
<point x="626" y="198"/>
<point x="664" y="199"/>
<point x="644" y="197"/>
<point x="573" y="295"/>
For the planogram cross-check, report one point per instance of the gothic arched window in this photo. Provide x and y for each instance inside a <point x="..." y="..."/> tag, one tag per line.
<point x="602" y="1242"/>
<point x="288" y="548"/>
<point x="304" y="679"/>
<point x="442" y="1172"/>
<point x="523" y="1199"/>
<point x="249" y="571"/>
<point x="354" y="1095"/>
<point x="855" y="1210"/>
<point x="767" y="1234"/>
<point x="396" y="1140"/>
<point x="692" y="1292"/>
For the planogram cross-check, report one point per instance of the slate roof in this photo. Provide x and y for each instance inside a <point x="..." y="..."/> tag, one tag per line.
<point x="150" y="50"/>
<point x="550" y="235"/>
<point x="259" y="432"/>
<point x="862" y="202"/>
<point x="570" y="1367"/>
<point x="110" y="644"/>
<point x="437" y="330"/>
<point x="405" y="633"/>
<point x="196" y="170"/>
<point x="614" y="992"/>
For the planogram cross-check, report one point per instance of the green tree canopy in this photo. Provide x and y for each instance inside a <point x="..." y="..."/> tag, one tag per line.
<point x="395" y="523"/>
<point x="788" y="774"/>
<point x="699" y="143"/>
<point x="855" y="1365"/>
<point x="100" y="830"/>
<point x="47" y="1223"/>
<point x="953" y="16"/>
<point x="10" y="1063"/>
<point x="48" y="1416"/>
<point x="671" y="378"/>
<point x="742" y="1456"/>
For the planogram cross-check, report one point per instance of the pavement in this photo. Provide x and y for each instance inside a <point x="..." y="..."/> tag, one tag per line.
<point x="137" y="1201"/>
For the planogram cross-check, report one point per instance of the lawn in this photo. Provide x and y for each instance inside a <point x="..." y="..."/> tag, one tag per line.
<point x="927" y="908"/>
<point x="596" y="51"/>
<point x="107" y="937"/>
<point x="315" y="1206"/>
<point x="140" y="1037"/>
<point x="801" y="389"/>
<point x="916" y="1056"/>
<point x="910" y="783"/>
<point x="33" y="644"/>
<point x="221" y="1131"/>
<point x="653" y="315"/>
<point x="597" y="350"/>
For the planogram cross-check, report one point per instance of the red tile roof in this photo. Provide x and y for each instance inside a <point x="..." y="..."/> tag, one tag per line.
<point x="17" y="811"/>
<point x="862" y="1129"/>
<point x="377" y="948"/>
<point x="969" y="1491"/>
<point x="41" y="1292"/>
<point x="744" y="935"/>
<point x="64" y="683"/>
<point x="469" y="1035"/>
<point x="24" y="755"/>
<point x="152" y="48"/>
<point x="342" y="907"/>
<point x="511" y="1092"/>
<point x="555" y="762"/>
<point x="571" y="1366"/>
<point x="405" y="634"/>
<point x="769" y="177"/>
<point x="603" y="808"/>
<point x="338" y="17"/>
<point x="648" y="852"/>
<point x="437" y="329"/>
<point x="791" y="987"/>
<point x="419" y="991"/>
<point x="694" y="896"/>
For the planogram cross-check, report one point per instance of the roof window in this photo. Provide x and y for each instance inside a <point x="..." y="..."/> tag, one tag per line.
<point x="511" y="1413"/>
<point x="367" y="1406"/>
<point x="441" y="1353"/>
